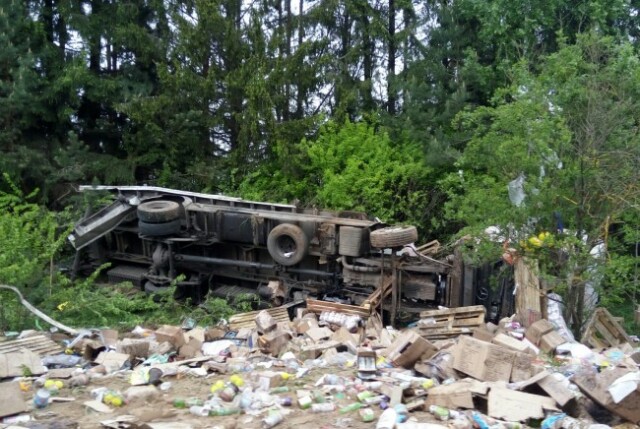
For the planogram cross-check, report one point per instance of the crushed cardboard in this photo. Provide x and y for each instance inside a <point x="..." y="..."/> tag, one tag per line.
<point x="11" y="401"/>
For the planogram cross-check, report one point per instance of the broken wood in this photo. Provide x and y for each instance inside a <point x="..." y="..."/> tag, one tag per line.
<point x="247" y="320"/>
<point x="377" y="296"/>
<point x="438" y="324"/>
<point x="38" y="344"/>
<point x="317" y="306"/>
<point x="39" y="313"/>
<point x="603" y="331"/>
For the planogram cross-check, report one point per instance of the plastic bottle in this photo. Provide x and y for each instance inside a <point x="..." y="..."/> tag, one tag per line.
<point x="229" y="392"/>
<point x="367" y="415"/>
<point x="441" y="413"/>
<point x="272" y="420"/>
<point x="246" y="398"/>
<point x="402" y="413"/>
<point x="199" y="410"/>
<point x="285" y="401"/>
<point x="221" y="411"/>
<point x="387" y="419"/>
<point x="318" y="397"/>
<point x="374" y="400"/>
<point x="326" y="407"/>
<point x="304" y="402"/>
<point x="179" y="403"/>
<point x="280" y="389"/>
<point x="363" y="396"/>
<point x="217" y="386"/>
<point x="351" y="407"/>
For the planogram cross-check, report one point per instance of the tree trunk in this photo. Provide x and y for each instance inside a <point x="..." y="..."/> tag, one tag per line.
<point x="391" y="65"/>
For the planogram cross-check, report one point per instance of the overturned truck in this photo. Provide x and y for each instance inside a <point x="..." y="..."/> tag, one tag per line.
<point x="227" y="246"/>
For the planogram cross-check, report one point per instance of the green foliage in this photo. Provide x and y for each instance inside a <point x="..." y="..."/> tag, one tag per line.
<point x="31" y="238"/>
<point x="571" y="134"/>
<point x="350" y="167"/>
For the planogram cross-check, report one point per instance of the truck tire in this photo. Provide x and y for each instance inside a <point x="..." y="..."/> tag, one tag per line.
<point x="159" y="229"/>
<point x="351" y="241"/>
<point x="158" y="211"/>
<point x="287" y="244"/>
<point x="393" y="236"/>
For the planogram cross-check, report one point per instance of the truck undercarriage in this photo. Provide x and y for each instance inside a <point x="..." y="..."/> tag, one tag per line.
<point x="228" y="246"/>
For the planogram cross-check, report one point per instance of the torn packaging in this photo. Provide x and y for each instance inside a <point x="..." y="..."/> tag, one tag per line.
<point x="13" y="364"/>
<point x="482" y="360"/>
<point x="11" y="401"/>
<point x="597" y="386"/>
<point x="408" y="348"/>
<point x="514" y="406"/>
<point x="456" y="395"/>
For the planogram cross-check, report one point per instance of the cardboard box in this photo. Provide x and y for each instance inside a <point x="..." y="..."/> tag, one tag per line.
<point x="596" y="387"/>
<point x="265" y="322"/>
<point x="11" y="401"/>
<point x="523" y="368"/>
<point x="513" y="406"/>
<point x="12" y="363"/>
<point x="171" y="334"/>
<point x="109" y="337"/>
<point x="535" y="332"/>
<point x="483" y="361"/>
<point x="274" y="342"/>
<point x="555" y="385"/>
<point x="482" y="334"/>
<point x="456" y="395"/>
<point x="134" y="348"/>
<point x="268" y="380"/>
<point x="408" y="348"/>
<point x="510" y="342"/>
<point x="306" y="324"/>
<point x="319" y="334"/>
<point x="112" y="361"/>
<point x="191" y="349"/>
<point x="550" y="341"/>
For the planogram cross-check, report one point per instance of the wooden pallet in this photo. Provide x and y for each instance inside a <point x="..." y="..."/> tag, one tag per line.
<point x="248" y="320"/>
<point x="604" y="331"/>
<point x="317" y="306"/>
<point x="37" y="344"/>
<point x="378" y="295"/>
<point x="450" y="322"/>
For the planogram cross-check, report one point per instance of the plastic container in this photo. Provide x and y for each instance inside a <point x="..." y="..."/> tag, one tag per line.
<point x="305" y="402"/>
<point x="41" y="398"/>
<point x="272" y="420"/>
<point x="229" y="392"/>
<point x="363" y="396"/>
<point x="326" y="407"/>
<point x="351" y="407"/>
<point x="367" y="415"/>
<point x="387" y="419"/>
<point x="285" y="401"/>
<point x="224" y="411"/>
<point x="402" y="413"/>
<point x="199" y="410"/>
<point x="441" y="413"/>
<point x="155" y="375"/>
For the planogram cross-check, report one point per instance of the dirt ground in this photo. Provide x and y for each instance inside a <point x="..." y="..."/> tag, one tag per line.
<point x="189" y="387"/>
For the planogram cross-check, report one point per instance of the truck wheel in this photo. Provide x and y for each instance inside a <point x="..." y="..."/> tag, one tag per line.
<point x="287" y="244"/>
<point x="159" y="229"/>
<point x="393" y="236"/>
<point x="158" y="211"/>
<point x="351" y="241"/>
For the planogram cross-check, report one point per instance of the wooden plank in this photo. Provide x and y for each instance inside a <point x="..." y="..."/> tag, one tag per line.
<point x="317" y="306"/>
<point x="602" y="330"/>
<point x="38" y="344"/>
<point x="455" y="323"/>
<point x="247" y="320"/>
<point x="447" y="311"/>
<point x="374" y="300"/>
<point x="528" y="292"/>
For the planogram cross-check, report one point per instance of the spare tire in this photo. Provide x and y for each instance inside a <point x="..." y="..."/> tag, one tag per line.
<point x="159" y="229"/>
<point x="287" y="244"/>
<point x="158" y="211"/>
<point x="393" y="236"/>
